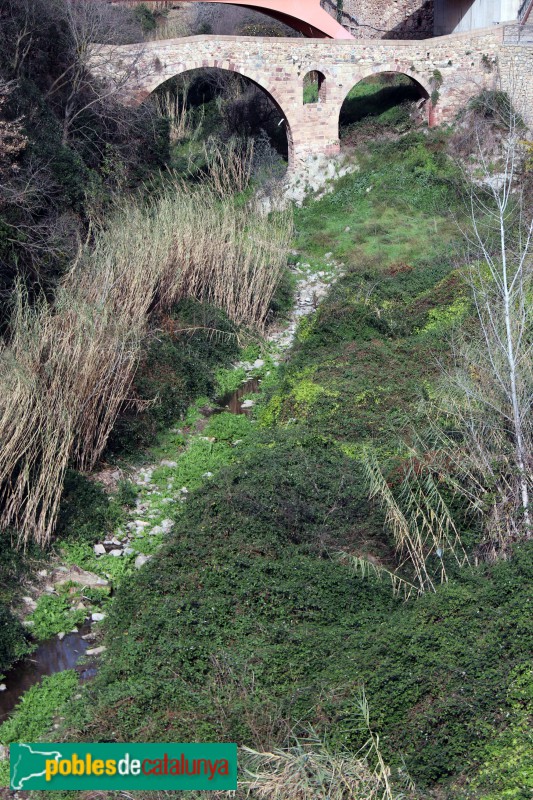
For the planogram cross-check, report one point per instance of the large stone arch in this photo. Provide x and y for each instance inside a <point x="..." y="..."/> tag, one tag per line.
<point x="265" y="86"/>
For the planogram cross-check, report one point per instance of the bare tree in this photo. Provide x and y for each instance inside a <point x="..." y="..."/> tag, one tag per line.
<point x="485" y="431"/>
<point x="96" y="28"/>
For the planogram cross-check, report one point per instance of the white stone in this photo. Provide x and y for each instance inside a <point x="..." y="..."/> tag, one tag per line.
<point x="97" y="616"/>
<point x="99" y="549"/>
<point x="61" y="635"/>
<point x="95" y="651"/>
<point x="3" y="687"/>
<point x="141" y="560"/>
<point x="259" y="363"/>
<point x="156" y="530"/>
<point x="115" y="553"/>
<point x="166" y="463"/>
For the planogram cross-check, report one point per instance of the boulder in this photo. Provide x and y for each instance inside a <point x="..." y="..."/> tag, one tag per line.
<point x="80" y="576"/>
<point x="95" y="651"/>
<point x="141" y="560"/>
<point x="99" y="549"/>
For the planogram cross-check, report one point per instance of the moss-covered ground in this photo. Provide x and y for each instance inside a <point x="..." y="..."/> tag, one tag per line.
<point x="245" y="625"/>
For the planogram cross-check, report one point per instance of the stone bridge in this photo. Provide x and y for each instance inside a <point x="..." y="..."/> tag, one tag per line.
<point x="447" y="69"/>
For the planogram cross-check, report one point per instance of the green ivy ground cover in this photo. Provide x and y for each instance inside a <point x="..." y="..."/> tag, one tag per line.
<point x="245" y="625"/>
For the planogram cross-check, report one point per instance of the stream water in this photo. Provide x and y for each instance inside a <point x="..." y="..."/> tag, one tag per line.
<point x="56" y="655"/>
<point x="52" y="655"/>
<point x="232" y="401"/>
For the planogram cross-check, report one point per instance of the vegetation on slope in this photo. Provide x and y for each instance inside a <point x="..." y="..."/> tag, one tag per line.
<point x="247" y="625"/>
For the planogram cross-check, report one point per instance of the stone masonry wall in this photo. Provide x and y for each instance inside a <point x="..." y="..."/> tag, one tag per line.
<point x="382" y="19"/>
<point x="454" y="66"/>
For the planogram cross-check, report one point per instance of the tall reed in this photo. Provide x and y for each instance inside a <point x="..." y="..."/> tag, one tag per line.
<point x="67" y="368"/>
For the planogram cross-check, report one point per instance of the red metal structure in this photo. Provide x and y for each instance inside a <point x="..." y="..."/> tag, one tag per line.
<point x="305" y="16"/>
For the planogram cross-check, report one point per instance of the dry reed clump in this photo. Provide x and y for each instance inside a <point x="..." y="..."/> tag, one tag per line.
<point x="308" y="770"/>
<point x="421" y="523"/>
<point x="67" y="368"/>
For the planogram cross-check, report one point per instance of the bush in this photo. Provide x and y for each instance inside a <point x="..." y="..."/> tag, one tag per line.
<point x="13" y="639"/>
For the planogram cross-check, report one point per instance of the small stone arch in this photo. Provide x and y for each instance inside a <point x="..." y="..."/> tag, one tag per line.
<point x="314" y="87"/>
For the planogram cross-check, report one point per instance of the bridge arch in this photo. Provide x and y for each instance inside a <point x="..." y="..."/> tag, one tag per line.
<point x="416" y="88"/>
<point x="161" y="73"/>
<point x="306" y="16"/>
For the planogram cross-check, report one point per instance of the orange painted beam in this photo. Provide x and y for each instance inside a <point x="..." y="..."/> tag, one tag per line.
<point x="305" y="16"/>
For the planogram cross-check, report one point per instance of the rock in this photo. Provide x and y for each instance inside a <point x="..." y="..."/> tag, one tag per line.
<point x="328" y="255"/>
<point x="184" y="490"/>
<point x="259" y="363"/>
<point x="95" y="651"/>
<point x="28" y="623"/>
<point x="99" y="549"/>
<point x="167" y="525"/>
<point x="61" y="635"/>
<point x="3" y="687"/>
<point x="49" y="589"/>
<point x="156" y="530"/>
<point x="141" y="560"/>
<point x="80" y="606"/>
<point x="89" y="637"/>
<point x="247" y="404"/>
<point x="166" y="463"/>
<point x="128" y="551"/>
<point x="116" y="553"/>
<point x="207" y="475"/>
<point x="80" y="576"/>
<point x="141" y="523"/>
<point x="97" y="616"/>
<point x="43" y="573"/>
<point x="30" y="602"/>
<point x="347" y="229"/>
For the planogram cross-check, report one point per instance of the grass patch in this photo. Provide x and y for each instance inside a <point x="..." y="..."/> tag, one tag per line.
<point x="34" y="714"/>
